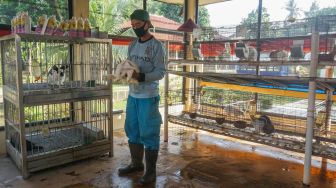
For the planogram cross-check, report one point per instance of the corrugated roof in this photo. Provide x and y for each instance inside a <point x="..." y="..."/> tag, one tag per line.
<point x="201" y="2"/>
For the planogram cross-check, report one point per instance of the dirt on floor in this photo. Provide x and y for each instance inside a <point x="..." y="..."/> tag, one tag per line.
<point x="189" y="159"/>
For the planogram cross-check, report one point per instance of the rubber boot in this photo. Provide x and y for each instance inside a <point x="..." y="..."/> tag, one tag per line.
<point x="137" y="151"/>
<point x="150" y="174"/>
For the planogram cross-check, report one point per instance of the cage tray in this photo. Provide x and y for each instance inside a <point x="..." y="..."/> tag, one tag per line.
<point x="51" y="87"/>
<point x="63" y="138"/>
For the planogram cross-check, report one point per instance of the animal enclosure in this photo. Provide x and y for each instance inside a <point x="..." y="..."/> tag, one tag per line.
<point x="58" y="107"/>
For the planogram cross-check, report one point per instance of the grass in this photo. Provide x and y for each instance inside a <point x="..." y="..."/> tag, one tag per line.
<point x="120" y="105"/>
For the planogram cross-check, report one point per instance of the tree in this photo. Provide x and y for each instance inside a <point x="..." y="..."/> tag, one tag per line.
<point x="249" y="25"/>
<point x="204" y="17"/>
<point x="313" y="10"/>
<point x="175" y="12"/>
<point x="293" y="10"/>
<point x="327" y="11"/>
<point x="169" y="11"/>
<point x="9" y="8"/>
<point x="252" y="17"/>
<point x="109" y="14"/>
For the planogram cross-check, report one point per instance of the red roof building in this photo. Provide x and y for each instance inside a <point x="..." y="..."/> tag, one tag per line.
<point x="163" y="30"/>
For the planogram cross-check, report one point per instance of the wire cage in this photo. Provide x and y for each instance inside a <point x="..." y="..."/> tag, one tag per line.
<point x="44" y="122"/>
<point x="44" y="65"/>
<point x="57" y="106"/>
<point x="270" y="119"/>
<point x="285" y="47"/>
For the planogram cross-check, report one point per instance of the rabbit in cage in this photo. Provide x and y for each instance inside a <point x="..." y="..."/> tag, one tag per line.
<point x="124" y="72"/>
<point x="56" y="75"/>
<point x="278" y="55"/>
<point x="252" y="53"/>
<point x="245" y="52"/>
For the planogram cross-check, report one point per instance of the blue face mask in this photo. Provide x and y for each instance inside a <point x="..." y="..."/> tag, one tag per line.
<point x="140" y="31"/>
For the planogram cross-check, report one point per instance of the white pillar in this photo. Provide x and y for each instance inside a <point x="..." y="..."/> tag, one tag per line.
<point x="311" y="107"/>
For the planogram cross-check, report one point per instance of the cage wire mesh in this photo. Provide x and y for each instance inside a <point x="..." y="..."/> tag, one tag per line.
<point x="277" y="120"/>
<point x="54" y="127"/>
<point x="280" y="42"/>
<point x="55" y="99"/>
<point x="47" y="66"/>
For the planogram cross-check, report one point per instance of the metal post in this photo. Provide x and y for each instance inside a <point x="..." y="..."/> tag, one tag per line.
<point x="144" y="4"/>
<point x="166" y="87"/>
<point x="23" y="146"/>
<point x="258" y="34"/>
<point x="110" y="110"/>
<point x="70" y="9"/>
<point x="329" y="103"/>
<point x="311" y="107"/>
<point x="196" y="12"/>
<point x="259" y="28"/>
<point x="185" y="38"/>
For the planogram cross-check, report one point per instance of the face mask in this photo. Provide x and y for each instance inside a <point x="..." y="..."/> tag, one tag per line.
<point x="140" y="31"/>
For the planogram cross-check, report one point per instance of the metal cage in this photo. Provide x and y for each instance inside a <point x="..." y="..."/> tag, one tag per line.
<point x="270" y="119"/>
<point x="261" y="100"/>
<point x="57" y="106"/>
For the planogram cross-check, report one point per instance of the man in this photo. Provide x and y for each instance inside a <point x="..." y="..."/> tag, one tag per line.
<point x="143" y="119"/>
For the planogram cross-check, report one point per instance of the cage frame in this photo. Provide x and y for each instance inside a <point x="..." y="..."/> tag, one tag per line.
<point x="28" y="164"/>
<point x="193" y="69"/>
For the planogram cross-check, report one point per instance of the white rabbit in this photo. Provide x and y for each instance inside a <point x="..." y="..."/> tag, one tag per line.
<point x="252" y="54"/>
<point x="124" y="72"/>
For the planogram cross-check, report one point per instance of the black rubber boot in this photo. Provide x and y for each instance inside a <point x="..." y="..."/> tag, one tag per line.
<point x="150" y="174"/>
<point x="137" y="151"/>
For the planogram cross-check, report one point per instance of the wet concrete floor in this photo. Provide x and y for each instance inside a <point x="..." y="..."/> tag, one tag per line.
<point x="189" y="159"/>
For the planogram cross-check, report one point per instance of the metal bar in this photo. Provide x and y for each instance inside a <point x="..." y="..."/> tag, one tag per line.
<point x="144" y="4"/>
<point x="278" y="92"/>
<point x="329" y="103"/>
<point x="311" y="107"/>
<point x="110" y="106"/>
<point x="258" y="34"/>
<point x="196" y="12"/>
<point x="70" y="8"/>
<point x="275" y="83"/>
<point x="166" y="87"/>
<point x="2" y="46"/>
<point x="19" y="88"/>
<point x="246" y="63"/>
<point x="50" y="38"/>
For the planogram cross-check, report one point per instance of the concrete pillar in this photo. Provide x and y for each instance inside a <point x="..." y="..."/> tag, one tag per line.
<point x="311" y="107"/>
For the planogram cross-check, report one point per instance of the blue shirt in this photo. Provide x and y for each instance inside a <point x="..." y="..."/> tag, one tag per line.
<point x="150" y="57"/>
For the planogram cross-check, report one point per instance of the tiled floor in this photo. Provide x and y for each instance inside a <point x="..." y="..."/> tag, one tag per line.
<point x="189" y="159"/>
